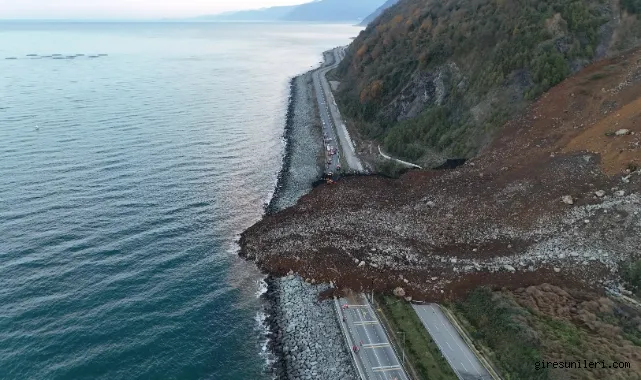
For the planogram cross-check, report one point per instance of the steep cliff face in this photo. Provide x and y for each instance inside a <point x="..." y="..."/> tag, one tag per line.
<point x="432" y="75"/>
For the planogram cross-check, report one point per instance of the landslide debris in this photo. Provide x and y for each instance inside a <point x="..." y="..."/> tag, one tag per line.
<point x="502" y="219"/>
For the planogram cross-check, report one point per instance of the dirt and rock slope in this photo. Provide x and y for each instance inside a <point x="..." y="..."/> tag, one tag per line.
<point x="555" y="198"/>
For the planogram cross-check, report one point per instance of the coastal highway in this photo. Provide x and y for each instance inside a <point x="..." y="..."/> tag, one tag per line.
<point x="375" y="358"/>
<point x="329" y="135"/>
<point x="333" y="125"/>
<point x="458" y="354"/>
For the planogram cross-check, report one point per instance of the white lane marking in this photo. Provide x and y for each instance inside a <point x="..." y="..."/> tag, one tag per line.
<point x="376" y="345"/>
<point x="465" y="368"/>
<point x="379" y="328"/>
<point x="387" y="368"/>
<point x="348" y="336"/>
<point x="360" y="313"/>
<point x="342" y="132"/>
<point x="448" y="344"/>
<point x="356" y="337"/>
<point x="464" y="352"/>
<point x="423" y="315"/>
<point x="369" y="340"/>
<point x="353" y="313"/>
<point x="366" y="323"/>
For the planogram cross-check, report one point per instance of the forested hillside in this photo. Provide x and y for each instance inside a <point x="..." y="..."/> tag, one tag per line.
<point x="441" y="76"/>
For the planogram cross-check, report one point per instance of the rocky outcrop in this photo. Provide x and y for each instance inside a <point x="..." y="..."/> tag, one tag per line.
<point x="423" y="90"/>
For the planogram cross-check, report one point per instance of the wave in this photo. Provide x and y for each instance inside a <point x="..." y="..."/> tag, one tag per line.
<point x="262" y="287"/>
<point x="265" y="352"/>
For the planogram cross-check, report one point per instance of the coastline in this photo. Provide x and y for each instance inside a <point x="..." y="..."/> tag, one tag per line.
<point x="303" y="333"/>
<point x="302" y="165"/>
<point x="271" y="206"/>
<point x="277" y="368"/>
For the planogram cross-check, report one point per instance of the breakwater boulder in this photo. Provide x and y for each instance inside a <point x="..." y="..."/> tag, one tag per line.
<point x="308" y="333"/>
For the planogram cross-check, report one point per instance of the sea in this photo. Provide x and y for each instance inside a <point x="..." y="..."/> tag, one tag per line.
<point x="132" y="155"/>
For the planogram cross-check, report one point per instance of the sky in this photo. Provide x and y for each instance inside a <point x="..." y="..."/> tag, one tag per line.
<point x="127" y="9"/>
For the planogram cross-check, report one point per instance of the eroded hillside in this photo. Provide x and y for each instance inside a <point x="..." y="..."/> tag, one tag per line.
<point x="554" y="199"/>
<point x="432" y="79"/>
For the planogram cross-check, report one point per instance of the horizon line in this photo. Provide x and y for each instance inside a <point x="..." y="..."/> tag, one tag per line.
<point x="194" y="20"/>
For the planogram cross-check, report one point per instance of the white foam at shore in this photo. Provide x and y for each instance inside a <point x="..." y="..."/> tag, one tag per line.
<point x="269" y="197"/>
<point x="263" y="327"/>
<point x="262" y="287"/>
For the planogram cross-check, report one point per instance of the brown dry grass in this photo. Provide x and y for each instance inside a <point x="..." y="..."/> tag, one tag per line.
<point x="575" y="325"/>
<point x="617" y="152"/>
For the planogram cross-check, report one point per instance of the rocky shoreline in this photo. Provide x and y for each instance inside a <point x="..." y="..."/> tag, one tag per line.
<point x="304" y="334"/>
<point x="302" y="161"/>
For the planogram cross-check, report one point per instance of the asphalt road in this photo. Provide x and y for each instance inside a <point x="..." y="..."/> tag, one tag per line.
<point x="333" y="125"/>
<point x="331" y="161"/>
<point x="375" y="356"/>
<point x="458" y="354"/>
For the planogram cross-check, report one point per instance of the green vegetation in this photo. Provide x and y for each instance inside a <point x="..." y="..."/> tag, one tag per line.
<point x="598" y="76"/>
<point x="518" y="335"/>
<point x="410" y="139"/>
<point x="631" y="273"/>
<point x="389" y="168"/>
<point x="420" y="349"/>
<point x="631" y="6"/>
<point x="497" y="324"/>
<point x="566" y="333"/>
<point x="627" y="319"/>
<point x="506" y="53"/>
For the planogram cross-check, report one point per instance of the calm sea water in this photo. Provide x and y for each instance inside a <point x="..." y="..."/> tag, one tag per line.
<point x="119" y="213"/>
